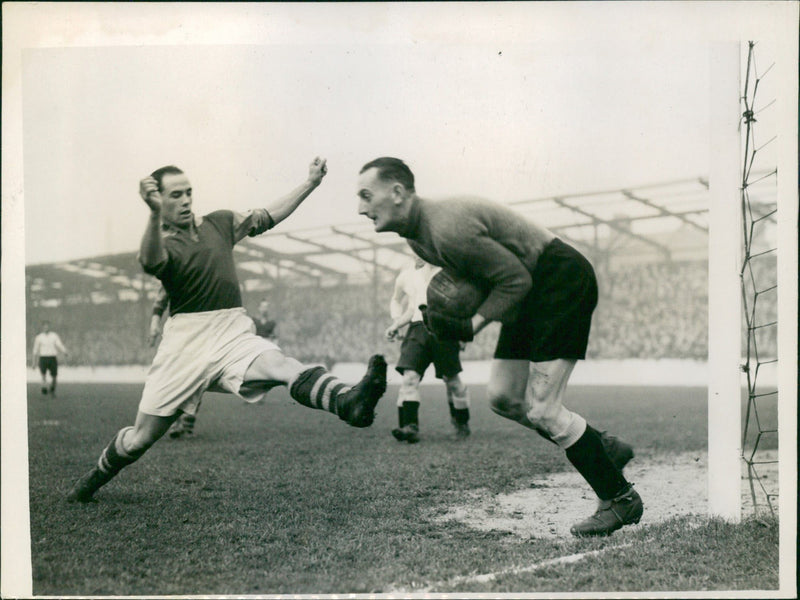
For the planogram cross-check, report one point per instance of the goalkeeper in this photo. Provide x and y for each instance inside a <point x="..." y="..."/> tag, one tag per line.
<point x="542" y="290"/>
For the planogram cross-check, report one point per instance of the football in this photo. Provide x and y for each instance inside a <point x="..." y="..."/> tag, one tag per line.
<point x="454" y="296"/>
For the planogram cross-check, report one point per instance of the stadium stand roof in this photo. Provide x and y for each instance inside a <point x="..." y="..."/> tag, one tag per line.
<point x="668" y="221"/>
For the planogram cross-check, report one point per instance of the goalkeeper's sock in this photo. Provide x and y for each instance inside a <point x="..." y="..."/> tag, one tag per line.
<point x="589" y="457"/>
<point x="317" y="388"/>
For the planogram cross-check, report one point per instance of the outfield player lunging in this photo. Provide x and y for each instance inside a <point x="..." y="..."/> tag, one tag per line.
<point x="209" y="341"/>
<point x="419" y="349"/>
<point x="544" y="293"/>
<point x="46" y="346"/>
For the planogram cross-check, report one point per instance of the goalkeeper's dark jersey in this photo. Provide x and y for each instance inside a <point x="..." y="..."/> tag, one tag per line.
<point x="482" y="241"/>
<point x="199" y="274"/>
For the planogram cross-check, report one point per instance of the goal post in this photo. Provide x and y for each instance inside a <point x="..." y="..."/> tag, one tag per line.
<point x="724" y="287"/>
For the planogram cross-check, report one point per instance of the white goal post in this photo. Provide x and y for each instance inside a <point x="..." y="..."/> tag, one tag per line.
<point x="724" y="288"/>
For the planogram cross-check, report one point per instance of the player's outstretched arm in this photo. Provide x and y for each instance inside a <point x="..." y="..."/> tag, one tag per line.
<point x="284" y="206"/>
<point x="151" y="249"/>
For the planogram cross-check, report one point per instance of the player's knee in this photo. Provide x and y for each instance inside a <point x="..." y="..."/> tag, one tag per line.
<point x="139" y="440"/>
<point x="504" y="405"/>
<point x="455" y="387"/>
<point x="410" y="380"/>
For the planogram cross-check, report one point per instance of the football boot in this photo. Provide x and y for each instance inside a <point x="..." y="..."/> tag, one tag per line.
<point x="357" y="406"/>
<point x="408" y="433"/>
<point x="86" y="486"/>
<point x="625" y="509"/>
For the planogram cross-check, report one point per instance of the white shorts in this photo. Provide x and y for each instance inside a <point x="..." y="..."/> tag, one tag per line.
<point x="198" y="352"/>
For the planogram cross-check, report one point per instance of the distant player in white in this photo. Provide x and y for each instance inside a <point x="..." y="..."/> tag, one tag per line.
<point x="420" y="348"/>
<point x="46" y="346"/>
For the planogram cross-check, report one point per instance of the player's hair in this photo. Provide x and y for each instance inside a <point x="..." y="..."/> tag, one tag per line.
<point x="158" y="174"/>
<point x="391" y="169"/>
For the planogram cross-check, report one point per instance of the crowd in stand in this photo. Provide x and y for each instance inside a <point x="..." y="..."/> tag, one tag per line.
<point x="657" y="310"/>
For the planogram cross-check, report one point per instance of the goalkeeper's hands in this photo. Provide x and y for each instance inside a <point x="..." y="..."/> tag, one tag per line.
<point x="446" y="327"/>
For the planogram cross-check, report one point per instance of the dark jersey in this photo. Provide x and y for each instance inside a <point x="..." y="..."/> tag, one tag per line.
<point x="479" y="240"/>
<point x="199" y="274"/>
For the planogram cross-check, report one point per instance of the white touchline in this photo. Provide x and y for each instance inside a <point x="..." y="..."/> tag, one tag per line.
<point x="561" y="560"/>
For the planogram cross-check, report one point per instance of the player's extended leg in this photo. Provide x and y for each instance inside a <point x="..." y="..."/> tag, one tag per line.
<point x="316" y="388"/>
<point x="53" y="376"/>
<point x="507" y="390"/>
<point x="458" y="402"/>
<point x="43" y="372"/>
<point x="126" y="447"/>
<point x="620" y="504"/>
<point x="408" y="399"/>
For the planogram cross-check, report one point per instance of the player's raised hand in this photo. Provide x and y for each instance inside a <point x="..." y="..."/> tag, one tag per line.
<point x="148" y="190"/>
<point x="317" y="170"/>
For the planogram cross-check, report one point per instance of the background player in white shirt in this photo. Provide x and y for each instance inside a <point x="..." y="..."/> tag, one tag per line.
<point x="420" y="348"/>
<point x="46" y="347"/>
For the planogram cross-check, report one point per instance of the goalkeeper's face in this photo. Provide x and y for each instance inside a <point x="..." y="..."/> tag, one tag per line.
<point x="381" y="201"/>
<point x="176" y="200"/>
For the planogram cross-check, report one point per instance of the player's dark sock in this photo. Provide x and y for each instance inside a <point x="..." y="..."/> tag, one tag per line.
<point x="460" y="416"/>
<point x="618" y="451"/>
<point x="401" y="415"/>
<point x="412" y="413"/>
<point x="589" y="457"/>
<point x="317" y="388"/>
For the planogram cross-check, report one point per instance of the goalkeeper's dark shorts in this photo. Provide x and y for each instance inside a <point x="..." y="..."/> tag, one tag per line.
<point x="555" y="317"/>
<point x="420" y="348"/>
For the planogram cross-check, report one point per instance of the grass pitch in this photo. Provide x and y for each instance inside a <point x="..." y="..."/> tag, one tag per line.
<point x="281" y="499"/>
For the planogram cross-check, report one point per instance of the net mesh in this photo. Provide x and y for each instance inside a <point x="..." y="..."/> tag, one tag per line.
<point x="759" y="284"/>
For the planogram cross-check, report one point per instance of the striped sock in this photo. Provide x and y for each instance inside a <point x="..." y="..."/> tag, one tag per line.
<point x="317" y="388"/>
<point x="114" y="457"/>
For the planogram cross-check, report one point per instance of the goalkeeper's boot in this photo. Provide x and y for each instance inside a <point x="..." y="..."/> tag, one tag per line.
<point x="625" y="509"/>
<point x="86" y="486"/>
<point x="357" y="406"/>
<point x="618" y="451"/>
